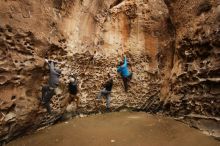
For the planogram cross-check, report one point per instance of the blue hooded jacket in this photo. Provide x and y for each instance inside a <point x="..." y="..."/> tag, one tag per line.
<point x="123" y="69"/>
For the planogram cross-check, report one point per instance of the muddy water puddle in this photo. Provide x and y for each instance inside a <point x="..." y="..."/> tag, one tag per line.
<point x="118" y="129"/>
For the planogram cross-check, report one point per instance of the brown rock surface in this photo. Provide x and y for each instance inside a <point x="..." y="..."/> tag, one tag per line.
<point x="172" y="46"/>
<point x="194" y="81"/>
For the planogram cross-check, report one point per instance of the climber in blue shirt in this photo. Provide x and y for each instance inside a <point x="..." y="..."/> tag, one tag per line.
<point x="123" y="70"/>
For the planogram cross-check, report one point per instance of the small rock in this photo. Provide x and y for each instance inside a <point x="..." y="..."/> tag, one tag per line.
<point x="124" y="110"/>
<point x="67" y="116"/>
<point x="82" y="116"/>
<point x="10" y="117"/>
<point x="112" y="140"/>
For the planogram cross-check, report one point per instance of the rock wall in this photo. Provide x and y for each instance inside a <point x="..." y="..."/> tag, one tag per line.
<point x="97" y="39"/>
<point x="172" y="50"/>
<point x="26" y="34"/>
<point x="194" y="81"/>
<point x="87" y="38"/>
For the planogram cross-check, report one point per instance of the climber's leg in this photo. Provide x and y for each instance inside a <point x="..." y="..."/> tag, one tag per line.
<point x="77" y="101"/>
<point x="108" y="98"/>
<point x="47" y="105"/>
<point x="101" y="93"/>
<point x="130" y="76"/>
<point x="125" y="81"/>
<point x="71" y="98"/>
<point x="44" y="92"/>
<point x="47" y="94"/>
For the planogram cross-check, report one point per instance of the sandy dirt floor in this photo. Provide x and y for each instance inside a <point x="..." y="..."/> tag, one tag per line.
<point x="118" y="129"/>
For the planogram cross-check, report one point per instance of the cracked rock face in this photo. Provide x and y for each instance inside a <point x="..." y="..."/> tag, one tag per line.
<point x="173" y="51"/>
<point x="195" y="77"/>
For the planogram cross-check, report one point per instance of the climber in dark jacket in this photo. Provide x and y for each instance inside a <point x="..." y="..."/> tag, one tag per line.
<point x="123" y="70"/>
<point x="47" y="94"/>
<point x="106" y="91"/>
<point x="73" y="91"/>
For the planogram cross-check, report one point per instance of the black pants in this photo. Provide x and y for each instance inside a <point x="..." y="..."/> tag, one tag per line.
<point x="126" y="80"/>
<point x="47" y="105"/>
<point x="47" y="94"/>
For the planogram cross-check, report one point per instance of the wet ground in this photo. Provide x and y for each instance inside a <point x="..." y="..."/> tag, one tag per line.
<point x="118" y="129"/>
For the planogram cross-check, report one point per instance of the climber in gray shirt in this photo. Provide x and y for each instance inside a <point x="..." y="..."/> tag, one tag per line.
<point x="48" y="91"/>
<point x="54" y="75"/>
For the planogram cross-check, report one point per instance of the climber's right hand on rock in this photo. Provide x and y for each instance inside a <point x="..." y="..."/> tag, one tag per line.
<point x="46" y="60"/>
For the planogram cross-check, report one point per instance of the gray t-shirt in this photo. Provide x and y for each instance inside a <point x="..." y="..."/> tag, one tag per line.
<point x="54" y="76"/>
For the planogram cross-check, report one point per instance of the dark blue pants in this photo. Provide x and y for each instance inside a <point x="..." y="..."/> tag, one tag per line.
<point x="126" y="80"/>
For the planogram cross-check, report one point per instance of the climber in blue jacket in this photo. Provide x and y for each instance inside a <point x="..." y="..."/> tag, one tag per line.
<point x="123" y="70"/>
